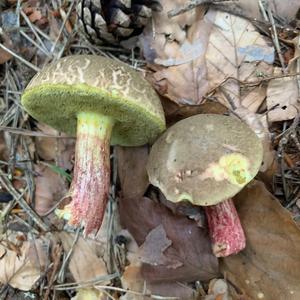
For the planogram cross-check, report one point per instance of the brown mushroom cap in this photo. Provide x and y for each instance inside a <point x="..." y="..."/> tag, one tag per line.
<point x="89" y="83"/>
<point x="204" y="159"/>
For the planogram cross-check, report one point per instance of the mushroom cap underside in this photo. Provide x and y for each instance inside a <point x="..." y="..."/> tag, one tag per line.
<point x="87" y="83"/>
<point x="205" y="159"/>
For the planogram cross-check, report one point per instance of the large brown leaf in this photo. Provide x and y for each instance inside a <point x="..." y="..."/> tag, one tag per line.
<point x="132" y="171"/>
<point x="85" y="264"/>
<point x="269" y="267"/>
<point x="188" y="258"/>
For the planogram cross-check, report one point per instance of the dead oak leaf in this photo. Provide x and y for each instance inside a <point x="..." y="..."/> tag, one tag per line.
<point x="188" y="258"/>
<point x="50" y="188"/>
<point x="85" y="264"/>
<point x="235" y="50"/>
<point x="131" y="170"/>
<point x="283" y="99"/>
<point x="22" y="271"/>
<point x="178" y="46"/>
<point x="152" y="250"/>
<point x="269" y="267"/>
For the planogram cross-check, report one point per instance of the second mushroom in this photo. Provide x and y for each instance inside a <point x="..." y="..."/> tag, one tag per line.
<point x="206" y="160"/>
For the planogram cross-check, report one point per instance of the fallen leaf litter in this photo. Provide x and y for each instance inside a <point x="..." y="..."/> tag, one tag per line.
<point x="235" y="58"/>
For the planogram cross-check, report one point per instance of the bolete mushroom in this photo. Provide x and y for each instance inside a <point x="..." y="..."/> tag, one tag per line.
<point x="104" y="102"/>
<point x="206" y="160"/>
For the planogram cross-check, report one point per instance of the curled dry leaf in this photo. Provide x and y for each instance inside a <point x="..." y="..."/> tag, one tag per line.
<point x="50" y="187"/>
<point x="84" y="264"/>
<point x="131" y="170"/>
<point x="206" y="53"/>
<point x="22" y="269"/>
<point x="189" y="254"/>
<point x="269" y="267"/>
<point x="178" y="46"/>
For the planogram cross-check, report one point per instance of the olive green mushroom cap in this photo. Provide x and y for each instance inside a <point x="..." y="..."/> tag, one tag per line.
<point x="88" y="83"/>
<point x="204" y="159"/>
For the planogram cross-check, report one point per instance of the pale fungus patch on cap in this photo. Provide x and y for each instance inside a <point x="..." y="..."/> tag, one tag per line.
<point x="88" y="83"/>
<point x="204" y="159"/>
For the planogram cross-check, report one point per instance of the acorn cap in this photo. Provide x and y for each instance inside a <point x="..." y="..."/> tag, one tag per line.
<point x="88" y="83"/>
<point x="204" y="159"/>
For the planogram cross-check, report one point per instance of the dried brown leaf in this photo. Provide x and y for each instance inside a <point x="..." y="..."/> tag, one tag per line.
<point x="190" y="244"/>
<point x="132" y="171"/>
<point x="50" y="187"/>
<point x="269" y="267"/>
<point x="185" y="111"/>
<point x="251" y="9"/>
<point x="283" y="93"/>
<point x="178" y="46"/>
<point x="22" y="271"/>
<point x="133" y="280"/>
<point x="235" y="49"/>
<point x="4" y="55"/>
<point x="35" y="16"/>
<point x="59" y="150"/>
<point x="84" y="264"/>
<point x="152" y="250"/>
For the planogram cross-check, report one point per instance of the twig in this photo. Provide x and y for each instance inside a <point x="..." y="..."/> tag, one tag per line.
<point x="63" y="26"/>
<point x="25" y="62"/>
<point x="26" y="132"/>
<point x="112" y="288"/>
<point x="88" y="283"/>
<point x="22" y="202"/>
<point x="275" y="40"/>
<point x="34" y="43"/>
<point x="192" y="4"/>
<point x="61" y="273"/>
<point x="33" y="29"/>
<point x="252" y="83"/>
<point x="267" y="15"/>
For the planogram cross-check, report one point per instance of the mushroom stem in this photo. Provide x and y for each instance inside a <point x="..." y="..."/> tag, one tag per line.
<point x="90" y="185"/>
<point x="225" y="229"/>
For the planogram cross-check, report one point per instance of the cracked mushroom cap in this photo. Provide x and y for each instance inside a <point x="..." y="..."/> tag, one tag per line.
<point x="204" y="159"/>
<point x="88" y="83"/>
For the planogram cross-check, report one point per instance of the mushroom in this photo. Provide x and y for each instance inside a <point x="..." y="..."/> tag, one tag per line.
<point x="103" y="102"/>
<point x="206" y="160"/>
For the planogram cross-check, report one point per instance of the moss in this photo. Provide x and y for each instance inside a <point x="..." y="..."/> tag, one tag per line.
<point x="59" y="104"/>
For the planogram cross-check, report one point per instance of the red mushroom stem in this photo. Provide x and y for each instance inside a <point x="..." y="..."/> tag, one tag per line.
<point x="225" y="229"/>
<point x="91" y="181"/>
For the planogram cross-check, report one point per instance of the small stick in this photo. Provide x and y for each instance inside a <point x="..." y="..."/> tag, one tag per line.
<point x="26" y="132"/>
<point x="33" y="29"/>
<point x="25" y="62"/>
<point x="275" y="40"/>
<point x="22" y="202"/>
<point x="63" y="26"/>
<point x="192" y="4"/>
<point x="61" y="273"/>
<point x="267" y="15"/>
